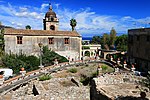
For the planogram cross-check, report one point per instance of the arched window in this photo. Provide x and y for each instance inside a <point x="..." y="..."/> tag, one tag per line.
<point x="52" y="19"/>
<point x="52" y="27"/>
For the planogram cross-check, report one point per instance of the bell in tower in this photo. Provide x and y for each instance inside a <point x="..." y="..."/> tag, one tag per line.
<point x="51" y="21"/>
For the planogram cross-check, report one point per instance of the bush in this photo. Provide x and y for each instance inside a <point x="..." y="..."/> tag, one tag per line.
<point x="87" y="53"/>
<point x="95" y="74"/>
<point x="85" y="80"/>
<point x="107" y="69"/>
<point x="49" y="56"/>
<point x="15" y="62"/>
<point x="45" y="77"/>
<point x="85" y="47"/>
<point x="72" y="70"/>
<point x="104" y="67"/>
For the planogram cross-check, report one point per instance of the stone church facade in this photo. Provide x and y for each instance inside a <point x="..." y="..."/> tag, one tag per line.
<point x="65" y="43"/>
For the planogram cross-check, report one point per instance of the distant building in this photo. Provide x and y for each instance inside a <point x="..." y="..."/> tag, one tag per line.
<point x="65" y="43"/>
<point x="85" y="42"/>
<point x="139" y="48"/>
<point x="92" y="49"/>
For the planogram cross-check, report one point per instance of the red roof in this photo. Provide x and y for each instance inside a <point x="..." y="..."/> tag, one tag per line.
<point x="27" y="32"/>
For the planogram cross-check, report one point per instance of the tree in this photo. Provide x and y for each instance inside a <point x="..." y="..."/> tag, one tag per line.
<point x="49" y="56"/>
<point x="112" y="36"/>
<point x="2" y="42"/>
<point x="105" y="41"/>
<point x="16" y="62"/>
<point x="28" y="27"/>
<point x="121" y="42"/>
<point x="96" y="40"/>
<point x="73" y="24"/>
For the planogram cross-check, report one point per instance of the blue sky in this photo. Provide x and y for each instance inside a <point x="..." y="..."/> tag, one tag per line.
<point x="94" y="17"/>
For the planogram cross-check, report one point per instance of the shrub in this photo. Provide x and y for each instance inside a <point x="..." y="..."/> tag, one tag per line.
<point x="85" y="80"/>
<point x="72" y="70"/>
<point x="49" y="56"/>
<point x="15" y="62"/>
<point x="104" y="67"/>
<point x="85" y="47"/>
<point x="45" y="77"/>
<point x="95" y="74"/>
<point x="87" y="53"/>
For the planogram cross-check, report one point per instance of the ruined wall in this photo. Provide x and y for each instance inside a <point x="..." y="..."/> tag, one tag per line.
<point x="139" y="48"/>
<point x="95" y="94"/>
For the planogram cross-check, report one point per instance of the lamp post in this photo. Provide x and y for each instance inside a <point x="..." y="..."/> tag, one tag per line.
<point x="40" y="45"/>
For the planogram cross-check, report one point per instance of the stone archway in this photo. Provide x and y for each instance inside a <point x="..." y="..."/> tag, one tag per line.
<point x="87" y="53"/>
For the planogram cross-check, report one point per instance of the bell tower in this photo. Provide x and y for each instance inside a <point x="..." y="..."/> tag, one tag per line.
<point x="51" y="22"/>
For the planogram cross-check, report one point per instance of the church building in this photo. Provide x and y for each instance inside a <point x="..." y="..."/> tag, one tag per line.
<point x="26" y="41"/>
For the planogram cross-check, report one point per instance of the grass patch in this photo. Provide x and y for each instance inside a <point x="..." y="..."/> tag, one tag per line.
<point x="72" y="70"/>
<point x="106" y="68"/>
<point x="45" y="77"/>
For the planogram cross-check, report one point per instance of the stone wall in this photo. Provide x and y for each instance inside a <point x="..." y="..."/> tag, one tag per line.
<point x="139" y="47"/>
<point x="54" y="89"/>
<point x="95" y="94"/>
<point x="30" y="46"/>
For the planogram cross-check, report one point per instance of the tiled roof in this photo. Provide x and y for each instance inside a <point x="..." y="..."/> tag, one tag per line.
<point x="27" y="32"/>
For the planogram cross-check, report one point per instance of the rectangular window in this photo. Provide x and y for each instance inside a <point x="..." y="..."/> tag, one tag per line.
<point x="51" y="40"/>
<point x="130" y="39"/>
<point x="148" y="38"/>
<point x="19" y="39"/>
<point x="66" y="40"/>
<point x="138" y="38"/>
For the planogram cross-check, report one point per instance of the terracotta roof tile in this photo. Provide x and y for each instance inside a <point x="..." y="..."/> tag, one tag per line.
<point x="27" y="32"/>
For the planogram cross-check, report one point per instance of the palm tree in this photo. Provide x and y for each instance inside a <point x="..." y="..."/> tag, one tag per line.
<point x="28" y="27"/>
<point x="73" y="23"/>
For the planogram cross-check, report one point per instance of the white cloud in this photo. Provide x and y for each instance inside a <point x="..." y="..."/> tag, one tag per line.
<point x="88" y="22"/>
<point x="23" y="9"/>
<point x="43" y="6"/>
<point x="57" y="5"/>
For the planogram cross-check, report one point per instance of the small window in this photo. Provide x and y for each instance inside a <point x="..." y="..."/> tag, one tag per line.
<point x="66" y="40"/>
<point x="148" y="38"/>
<point x="51" y="40"/>
<point x="138" y="38"/>
<point x="130" y="39"/>
<point x="52" y="19"/>
<point x="19" y="39"/>
<point x="52" y="27"/>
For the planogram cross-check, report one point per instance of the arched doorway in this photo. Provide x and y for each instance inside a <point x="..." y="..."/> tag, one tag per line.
<point x="87" y="53"/>
<point x="52" y="27"/>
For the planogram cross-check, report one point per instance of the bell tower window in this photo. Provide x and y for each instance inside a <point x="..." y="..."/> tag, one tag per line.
<point x="52" y="27"/>
<point x="52" y="19"/>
